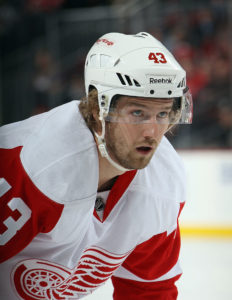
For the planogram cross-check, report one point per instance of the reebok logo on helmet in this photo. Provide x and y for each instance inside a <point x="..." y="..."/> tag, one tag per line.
<point x="153" y="80"/>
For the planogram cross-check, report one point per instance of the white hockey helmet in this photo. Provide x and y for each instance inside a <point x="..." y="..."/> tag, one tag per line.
<point x="134" y="65"/>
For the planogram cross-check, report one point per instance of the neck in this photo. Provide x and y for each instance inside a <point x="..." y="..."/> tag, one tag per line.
<point x="107" y="174"/>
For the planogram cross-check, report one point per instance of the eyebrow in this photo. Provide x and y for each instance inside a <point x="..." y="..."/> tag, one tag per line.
<point x="144" y="106"/>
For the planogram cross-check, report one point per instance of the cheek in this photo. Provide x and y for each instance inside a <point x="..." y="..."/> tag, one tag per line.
<point x="128" y="133"/>
<point x="121" y="134"/>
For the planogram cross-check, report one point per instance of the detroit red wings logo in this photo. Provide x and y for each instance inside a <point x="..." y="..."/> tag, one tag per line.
<point x="40" y="279"/>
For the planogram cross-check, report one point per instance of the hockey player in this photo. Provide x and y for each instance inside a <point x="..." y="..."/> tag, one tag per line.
<point x="83" y="196"/>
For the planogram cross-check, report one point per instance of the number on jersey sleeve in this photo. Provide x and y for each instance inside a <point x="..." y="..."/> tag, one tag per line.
<point x="25" y="210"/>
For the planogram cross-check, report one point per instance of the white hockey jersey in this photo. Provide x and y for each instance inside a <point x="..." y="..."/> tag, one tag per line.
<point x="54" y="245"/>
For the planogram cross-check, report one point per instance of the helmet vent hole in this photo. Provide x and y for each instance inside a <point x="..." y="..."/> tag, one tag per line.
<point x="117" y="62"/>
<point x="169" y="92"/>
<point x="152" y="92"/>
<point x="136" y="82"/>
<point x="182" y="83"/>
<point x="141" y="35"/>
<point x="121" y="79"/>
<point x="128" y="80"/>
<point x="144" y="34"/>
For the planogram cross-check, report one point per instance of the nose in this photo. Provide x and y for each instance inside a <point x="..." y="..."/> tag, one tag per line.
<point x="150" y="130"/>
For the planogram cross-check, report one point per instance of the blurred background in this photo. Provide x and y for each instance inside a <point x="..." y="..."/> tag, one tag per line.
<point x="43" y="44"/>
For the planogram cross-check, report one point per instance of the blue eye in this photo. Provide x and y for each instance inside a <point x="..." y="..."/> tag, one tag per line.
<point x="163" y="114"/>
<point x="137" y="113"/>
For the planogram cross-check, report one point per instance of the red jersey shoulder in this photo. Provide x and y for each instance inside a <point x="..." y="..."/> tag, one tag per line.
<point x="25" y="210"/>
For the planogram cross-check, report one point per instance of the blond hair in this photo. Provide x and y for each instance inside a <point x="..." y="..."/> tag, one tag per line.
<point x="87" y="107"/>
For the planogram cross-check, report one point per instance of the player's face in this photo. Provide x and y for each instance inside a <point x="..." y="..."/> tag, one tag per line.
<point x="133" y="143"/>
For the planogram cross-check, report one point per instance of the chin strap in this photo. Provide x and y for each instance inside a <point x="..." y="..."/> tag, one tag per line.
<point x="102" y="148"/>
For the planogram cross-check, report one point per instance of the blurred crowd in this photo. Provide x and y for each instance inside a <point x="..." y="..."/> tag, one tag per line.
<point x="200" y="40"/>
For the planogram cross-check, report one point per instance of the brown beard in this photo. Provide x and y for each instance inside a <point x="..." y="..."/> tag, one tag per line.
<point x="116" y="148"/>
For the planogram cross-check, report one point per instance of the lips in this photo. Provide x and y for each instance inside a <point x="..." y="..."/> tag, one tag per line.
<point x="144" y="149"/>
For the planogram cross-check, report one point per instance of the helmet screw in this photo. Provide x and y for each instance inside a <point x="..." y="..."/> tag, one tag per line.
<point x="103" y="97"/>
<point x="169" y="92"/>
<point x="102" y="103"/>
<point x="152" y="92"/>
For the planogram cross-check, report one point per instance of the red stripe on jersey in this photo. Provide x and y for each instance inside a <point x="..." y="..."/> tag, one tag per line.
<point x="125" y="289"/>
<point x="181" y="207"/>
<point x="116" y="193"/>
<point x="156" y="256"/>
<point x="25" y="210"/>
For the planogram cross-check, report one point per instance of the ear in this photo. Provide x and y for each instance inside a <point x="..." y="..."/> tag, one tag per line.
<point x="98" y="125"/>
